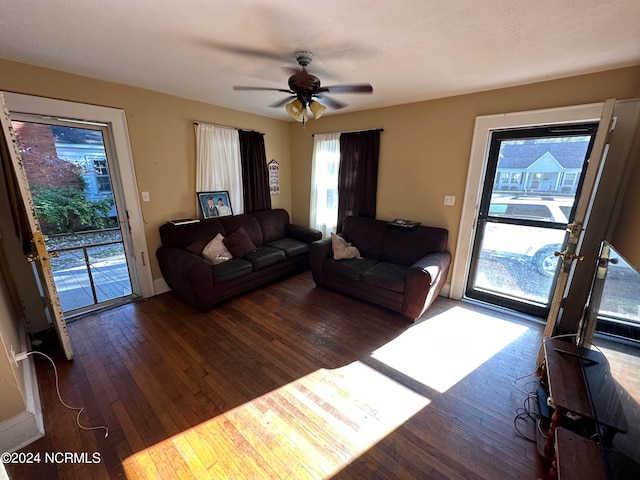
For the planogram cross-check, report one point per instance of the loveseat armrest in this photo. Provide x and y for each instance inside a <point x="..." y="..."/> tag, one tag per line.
<point x="423" y="283"/>
<point x="304" y="234"/>
<point x="319" y="251"/>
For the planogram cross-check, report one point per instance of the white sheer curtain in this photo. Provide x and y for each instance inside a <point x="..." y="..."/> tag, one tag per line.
<point x="218" y="163"/>
<point x="324" y="182"/>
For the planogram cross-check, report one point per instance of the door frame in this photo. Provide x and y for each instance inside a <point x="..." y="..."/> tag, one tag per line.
<point x="29" y="227"/>
<point x="484" y="126"/>
<point x="116" y="119"/>
<point x="119" y="202"/>
<point x="484" y="218"/>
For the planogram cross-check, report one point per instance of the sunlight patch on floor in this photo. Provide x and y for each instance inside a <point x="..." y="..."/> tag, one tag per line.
<point x="310" y="428"/>
<point x="441" y="351"/>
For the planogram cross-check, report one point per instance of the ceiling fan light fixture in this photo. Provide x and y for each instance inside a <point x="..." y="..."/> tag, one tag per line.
<point x="305" y="87"/>
<point x="317" y="109"/>
<point x="296" y="110"/>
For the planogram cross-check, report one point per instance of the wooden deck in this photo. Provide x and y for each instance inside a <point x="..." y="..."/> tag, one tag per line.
<point x="110" y="280"/>
<point x="290" y="381"/>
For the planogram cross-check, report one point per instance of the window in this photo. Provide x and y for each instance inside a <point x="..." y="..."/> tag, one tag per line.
<point x="498" y="209"/>
<point x="535" y="180"/>
<point x="532" y="212"/>
<point x="516" y="178"/>
<point x="101" y="170"/>
<point x="324" y="183"/>
<point x="218" y="165"/>
<point x="569" y="179"/>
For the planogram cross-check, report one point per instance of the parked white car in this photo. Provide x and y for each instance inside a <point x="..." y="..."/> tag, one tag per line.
<point x="535" y="244"/>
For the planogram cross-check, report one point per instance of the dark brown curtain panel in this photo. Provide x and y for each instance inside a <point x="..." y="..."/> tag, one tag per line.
<point x="358" y="174"/>
<point x="255" y="174"/>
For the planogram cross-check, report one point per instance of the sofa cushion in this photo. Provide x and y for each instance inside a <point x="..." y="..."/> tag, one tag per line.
<point x="215" y="251"/>
<point x="247" y="221"/>
<point x="196" y="247"/>
<point x="273" y="224"/>
<point x="264" y="256"/>
<point x="352" y="268"/>
<point x="239" y="243"/>
<point x="408" y="246"/>
<point x="291" y="247"/>
<point x="342" y="249"/>
<point x="366" y="234"/>
<point x="386" y="275"/>
<point x="234" y="268"/>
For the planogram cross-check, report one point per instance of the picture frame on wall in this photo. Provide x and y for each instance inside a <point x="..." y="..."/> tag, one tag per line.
<point x="215" y="204"/>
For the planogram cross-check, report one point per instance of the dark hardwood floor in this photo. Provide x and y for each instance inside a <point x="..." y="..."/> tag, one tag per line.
<point x="290" y="381"/>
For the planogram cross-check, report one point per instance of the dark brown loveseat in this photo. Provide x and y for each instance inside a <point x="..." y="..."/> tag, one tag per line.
<point x="282" y="249"/>
<point x="401" y="269"/>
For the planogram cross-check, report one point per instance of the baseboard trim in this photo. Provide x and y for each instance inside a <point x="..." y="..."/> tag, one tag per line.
<point x="160" y="286"/>
<point x="446" y="289"/>
<point x="28" y="426"/>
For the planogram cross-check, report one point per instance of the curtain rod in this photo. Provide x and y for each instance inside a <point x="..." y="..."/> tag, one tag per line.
<point x="356" y="131"/>
<point x="196" y="122"/>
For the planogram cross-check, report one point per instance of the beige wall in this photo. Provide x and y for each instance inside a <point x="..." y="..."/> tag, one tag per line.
<point x="162" y="138"/>
<point x="425" y="147"/>
<point x="12" y="400"/>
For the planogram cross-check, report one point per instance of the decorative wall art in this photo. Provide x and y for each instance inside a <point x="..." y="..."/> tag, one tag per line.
<point x="215" y="204"/>
<point x="274" y="177"/>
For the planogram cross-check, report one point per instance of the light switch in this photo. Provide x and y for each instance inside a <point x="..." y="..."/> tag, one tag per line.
<point x="450" y="200"/>
<point x="145" y="197"/>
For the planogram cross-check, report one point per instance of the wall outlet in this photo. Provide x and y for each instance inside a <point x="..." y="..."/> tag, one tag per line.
<point x="145" y="197"/>
<point x="450" y="200"/>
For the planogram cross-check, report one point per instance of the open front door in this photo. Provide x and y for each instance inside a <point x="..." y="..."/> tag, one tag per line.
<point x="25" y="212"/>
<point x="571" y="254"/>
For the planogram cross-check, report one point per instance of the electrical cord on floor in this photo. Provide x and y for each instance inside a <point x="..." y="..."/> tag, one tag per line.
<point x="515" y="382"/>
<point x="524" y="413"/>
<point x="527" y="412"/>
<point x="22" y="356"/>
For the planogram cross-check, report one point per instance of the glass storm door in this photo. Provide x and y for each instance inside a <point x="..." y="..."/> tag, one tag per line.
<point x="68" y="167"/>
<point x="28" y="228"/>
<point x="533" y="178"/>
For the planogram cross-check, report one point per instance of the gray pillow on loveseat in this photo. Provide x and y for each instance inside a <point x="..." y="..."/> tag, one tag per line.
<point x="401" y="269"/>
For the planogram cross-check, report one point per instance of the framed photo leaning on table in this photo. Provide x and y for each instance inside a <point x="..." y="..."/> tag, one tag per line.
<point x="215" y="204"/>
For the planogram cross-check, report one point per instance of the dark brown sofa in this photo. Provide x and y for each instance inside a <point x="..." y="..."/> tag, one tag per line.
<point x="401" y="269"/>
<point x="282" y="249"/>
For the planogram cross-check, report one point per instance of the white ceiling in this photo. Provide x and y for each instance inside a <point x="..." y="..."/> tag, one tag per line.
<point x="409" y="50"/>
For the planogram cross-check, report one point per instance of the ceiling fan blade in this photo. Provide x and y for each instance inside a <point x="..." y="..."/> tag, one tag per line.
<point x="280" y="103"/>
<point x="348" y="88"/>
<point x="241" y="87"/>
<point x="331" y="102"/>
<point x="246" y="51"/>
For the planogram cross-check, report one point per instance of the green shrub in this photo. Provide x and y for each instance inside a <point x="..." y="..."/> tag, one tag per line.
<point x="66" y="209"/>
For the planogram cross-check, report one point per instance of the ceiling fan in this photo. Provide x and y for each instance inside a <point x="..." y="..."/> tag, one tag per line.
<point x="305" y="89"/>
